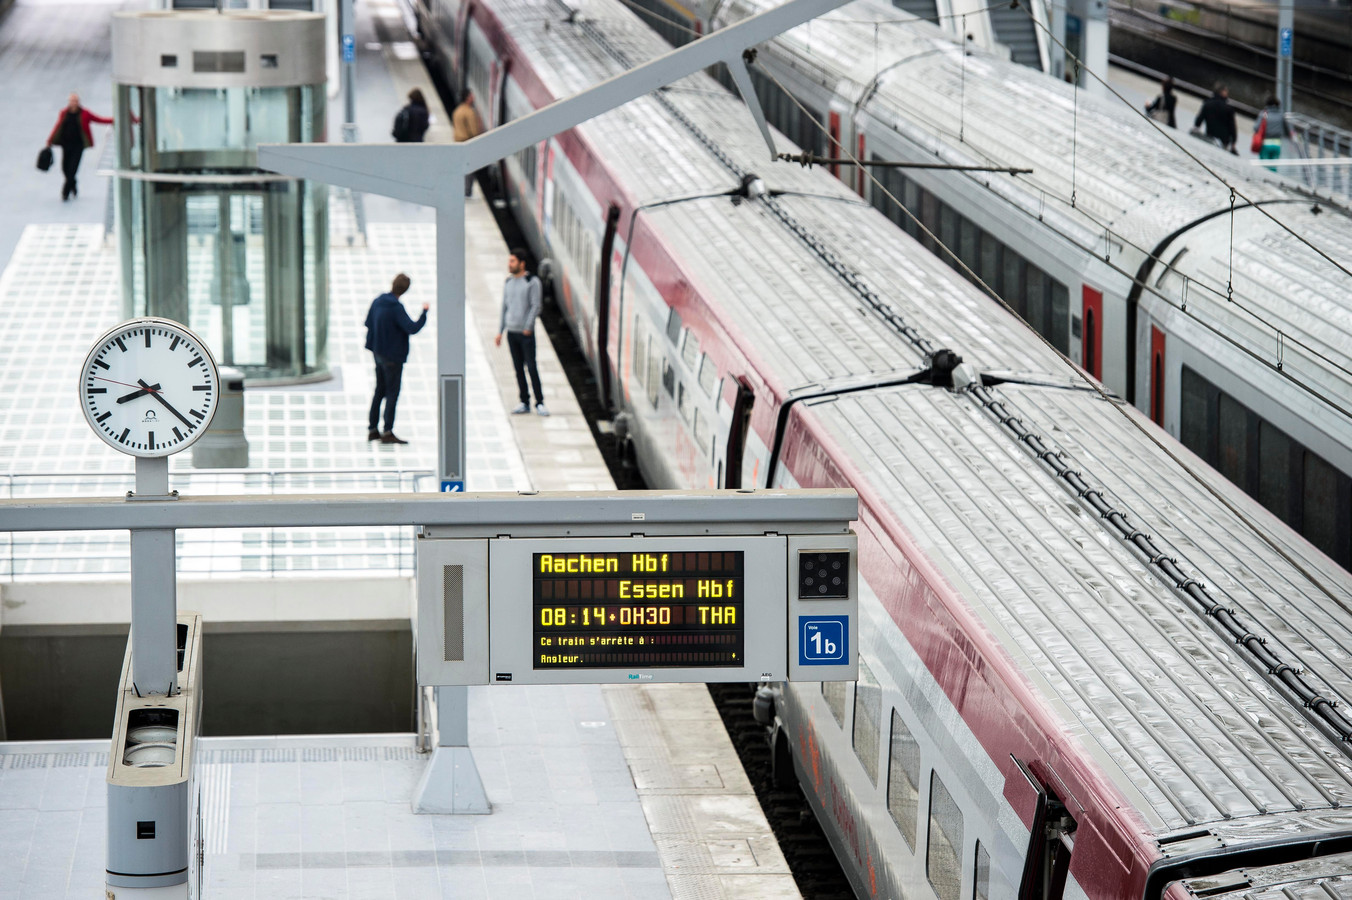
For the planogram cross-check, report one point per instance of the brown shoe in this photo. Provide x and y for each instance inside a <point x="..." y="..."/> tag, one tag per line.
<point x="373" y="435"/>
<point x="389" y="438"/>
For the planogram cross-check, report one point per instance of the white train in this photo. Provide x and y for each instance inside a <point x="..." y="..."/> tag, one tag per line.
<point x="1226" y="330"/>
<point x="1090" y="666"/>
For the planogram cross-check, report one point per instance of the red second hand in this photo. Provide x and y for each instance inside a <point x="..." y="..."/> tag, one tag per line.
<point x="124" y="384"/>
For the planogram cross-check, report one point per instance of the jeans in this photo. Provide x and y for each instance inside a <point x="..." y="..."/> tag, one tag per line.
<point x="522" y="346"/>
<point x="389" y="376"/>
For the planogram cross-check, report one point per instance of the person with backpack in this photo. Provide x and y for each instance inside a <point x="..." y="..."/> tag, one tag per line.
<point x="1162" y="107"/>
<point x="1268" y="131"/>
<point x="521" y="300"/>
<point x="72" y="133"/>
<point x="411" y="122"/>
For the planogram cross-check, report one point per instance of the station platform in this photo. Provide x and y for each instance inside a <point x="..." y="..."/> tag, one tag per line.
<point x="596" y="792"/>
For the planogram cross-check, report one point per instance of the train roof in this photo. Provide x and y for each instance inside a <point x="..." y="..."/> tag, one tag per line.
<point x="981" y="108"/>
<point x="1184" y="725"/>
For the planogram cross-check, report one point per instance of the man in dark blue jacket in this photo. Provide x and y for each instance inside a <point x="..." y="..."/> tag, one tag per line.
<point x="387" y="329"/>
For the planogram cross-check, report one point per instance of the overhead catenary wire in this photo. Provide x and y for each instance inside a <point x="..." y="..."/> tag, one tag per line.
<point x="1224" y="292"/>
<point x="1077" y="372"/>
<point x="1184" y="150"/>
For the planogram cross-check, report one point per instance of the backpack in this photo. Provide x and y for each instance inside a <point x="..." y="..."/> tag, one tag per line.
<point x="401" y="125"/>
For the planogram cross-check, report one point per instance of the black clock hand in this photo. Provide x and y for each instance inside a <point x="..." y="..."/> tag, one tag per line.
<point x="148" y="389"/>
<point x="154" y="392"/>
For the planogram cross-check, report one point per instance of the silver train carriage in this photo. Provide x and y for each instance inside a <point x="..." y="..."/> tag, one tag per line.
<point x="1225" y="329"/>
<point x="1090" y="666"/>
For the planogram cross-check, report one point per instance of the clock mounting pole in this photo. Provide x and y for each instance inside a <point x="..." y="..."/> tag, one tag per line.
<point x="154" y="598"/>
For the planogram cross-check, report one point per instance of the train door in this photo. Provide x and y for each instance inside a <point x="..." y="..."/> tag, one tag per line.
<point x="1092" y="340"/>
<point x="1157" y="375"/>
<point x="738" y="430"/>
<point x="603" y="306"/>
<point x="861" y="176"/>
<point x="1051" y="838"/>
<point x="462" y="47"/>
<point x="833" y="148"/>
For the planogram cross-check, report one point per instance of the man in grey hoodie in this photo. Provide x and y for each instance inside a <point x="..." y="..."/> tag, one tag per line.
<point x="521" y="297"/>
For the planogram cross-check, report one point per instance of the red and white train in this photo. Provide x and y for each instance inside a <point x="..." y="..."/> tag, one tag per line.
<point x="1089" y="665"/>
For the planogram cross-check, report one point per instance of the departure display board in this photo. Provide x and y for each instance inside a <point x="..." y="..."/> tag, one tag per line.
<point x="659" y="608"/>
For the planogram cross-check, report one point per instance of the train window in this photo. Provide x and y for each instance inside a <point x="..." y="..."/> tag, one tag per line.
<point x="708" y="375"/>
<point x="1232" y="431"/>
<point x="654" y="377"/>
<point x="868" y="712"/>
<point x="981" y="889"/>
<point x="836" y="694"/>
<point x="669" y="379"/>
<point x="943" y="858"/>
<point x="1194" y="416"/>
<point x="948" y="230"/>
<point x="1274" y="470"/>
<point x="701" y="428"/>
<point x="929" y="216"/>
<point x="640" y="354"/>
<point x="1320" y="525"/>
<point x="673" y="326"/>
<point x="969" y="240"/>
<point x="1035" y="297"/>
<point x="690" y="351"/>
<point x="991" y="251"/>
<point x="903" y="779"/>
<point x="910" y="197"/>
<point x="1060" y="323"/>
<point x="528" y="161"/>
<point x="683" y="402"/>
<point x="1012" y="280"/>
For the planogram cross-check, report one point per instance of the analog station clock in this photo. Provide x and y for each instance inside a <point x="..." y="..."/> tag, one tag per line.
<point x="149" y="387"/>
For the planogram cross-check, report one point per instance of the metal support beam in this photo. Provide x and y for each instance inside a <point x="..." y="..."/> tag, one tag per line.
<point x="433" y="175"/>
<point x="742" y="78"/>
<point x="473" y="515"/>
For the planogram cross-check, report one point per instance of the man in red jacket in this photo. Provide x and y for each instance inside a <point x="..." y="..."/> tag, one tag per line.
<point x="73" y="134"/>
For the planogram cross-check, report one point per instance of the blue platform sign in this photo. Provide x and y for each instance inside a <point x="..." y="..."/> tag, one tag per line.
<point x="823" y="640"/>
<point x="1284" y="42"/>
<point x="452" y="487"/>
<point x="349" y="48"/>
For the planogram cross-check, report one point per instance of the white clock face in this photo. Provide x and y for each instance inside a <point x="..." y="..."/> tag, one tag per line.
<point x="149" y="387"/>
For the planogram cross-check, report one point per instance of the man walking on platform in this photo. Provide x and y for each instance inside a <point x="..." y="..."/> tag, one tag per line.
<point x="73" y="135"/>
<point x="465" y="121"/>
<point x="387" y="329"/>
<point x="521" y="298"/>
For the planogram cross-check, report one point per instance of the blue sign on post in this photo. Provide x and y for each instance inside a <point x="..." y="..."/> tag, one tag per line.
<point x="1284" y="42"/>
<point x="349" y="48"/>
<point x="452" y="487"/>
<point x="823" y="640"/>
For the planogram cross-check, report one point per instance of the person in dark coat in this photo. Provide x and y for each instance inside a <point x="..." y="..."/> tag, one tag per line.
<point x="387" y="329"/>
<point x="73" y="135"/>
<point x="1219" y="117"/>
<point x="1162" y="107"/>
<point x="411" y="124"/>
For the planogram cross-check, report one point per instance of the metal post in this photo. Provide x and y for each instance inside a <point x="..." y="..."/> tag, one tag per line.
<point x="1286" y="21"/>
<point x="450" y="326"/>
<point x="433" y="175"/>
<point x="154" y="603"/>
<point x="347" y="29"/>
